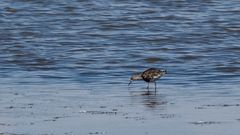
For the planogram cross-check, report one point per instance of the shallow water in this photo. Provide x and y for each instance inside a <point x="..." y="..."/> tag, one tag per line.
<point x="65" y="66"/>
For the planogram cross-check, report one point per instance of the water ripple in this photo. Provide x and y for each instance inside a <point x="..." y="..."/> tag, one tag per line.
<point x="92" y="41"/>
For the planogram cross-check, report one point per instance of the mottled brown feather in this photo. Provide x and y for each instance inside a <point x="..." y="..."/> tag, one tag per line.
<point x="152" y="74"/>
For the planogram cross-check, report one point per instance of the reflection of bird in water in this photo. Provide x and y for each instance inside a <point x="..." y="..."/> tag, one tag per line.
<point x="149" y="100"/>
<point x="149" y="75"/>
<point x="154" y="101"/>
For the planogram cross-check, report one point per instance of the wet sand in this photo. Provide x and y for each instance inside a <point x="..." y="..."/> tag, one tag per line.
<point x="60" y="109"/>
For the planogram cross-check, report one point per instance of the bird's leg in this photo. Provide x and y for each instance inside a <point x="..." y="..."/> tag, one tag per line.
<point x="155" y="86"/>
<point x="148" y="86"/>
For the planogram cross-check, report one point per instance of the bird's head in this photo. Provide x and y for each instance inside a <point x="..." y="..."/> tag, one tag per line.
<point x="135" y="77"/>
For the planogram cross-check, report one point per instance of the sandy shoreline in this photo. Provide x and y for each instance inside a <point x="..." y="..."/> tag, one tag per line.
<point x="74" y="111"/>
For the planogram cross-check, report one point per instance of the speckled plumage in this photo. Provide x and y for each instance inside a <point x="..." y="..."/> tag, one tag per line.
<point x="149" y="75"/>
<point x="152" y="74"/>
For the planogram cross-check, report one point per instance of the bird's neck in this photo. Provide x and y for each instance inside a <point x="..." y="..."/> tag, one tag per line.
<point x="137" y="77"/>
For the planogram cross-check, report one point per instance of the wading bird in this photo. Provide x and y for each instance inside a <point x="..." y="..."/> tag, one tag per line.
<point x="149" y="75"/>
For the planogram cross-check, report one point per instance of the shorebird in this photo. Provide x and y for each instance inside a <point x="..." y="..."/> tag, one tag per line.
<point x="149" y="75"/>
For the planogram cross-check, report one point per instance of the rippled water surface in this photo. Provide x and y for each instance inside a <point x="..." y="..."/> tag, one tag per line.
<point x="65" y="66"/>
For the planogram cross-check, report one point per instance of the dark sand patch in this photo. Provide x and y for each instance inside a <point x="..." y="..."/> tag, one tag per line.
<point x="205" y="122"/>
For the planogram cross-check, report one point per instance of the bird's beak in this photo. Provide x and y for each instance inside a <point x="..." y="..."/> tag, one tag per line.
<point x="130" y="82"/>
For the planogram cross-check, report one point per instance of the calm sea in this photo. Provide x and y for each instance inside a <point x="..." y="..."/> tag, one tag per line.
<point x="86" y="50"/>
